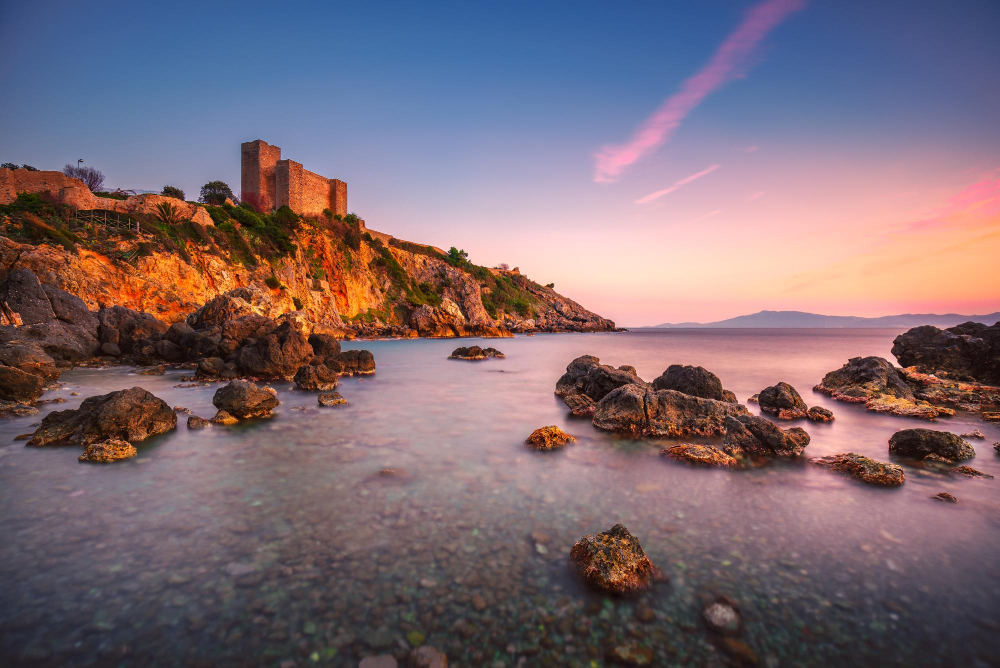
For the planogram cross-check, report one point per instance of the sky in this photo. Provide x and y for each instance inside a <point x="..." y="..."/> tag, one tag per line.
<point x="658" y="161"/>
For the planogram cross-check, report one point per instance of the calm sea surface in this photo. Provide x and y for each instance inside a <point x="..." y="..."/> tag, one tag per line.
<point x="277" y="542"/>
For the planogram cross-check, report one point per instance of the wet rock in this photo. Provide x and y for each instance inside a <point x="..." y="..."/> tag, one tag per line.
<point x="613" y="561"/>
<point x="820" y="414"/>
<point x="10" y="409"/>
<point x="586" y="376"/>
<point x="975" y="433"/>
<point x="108" y="451"/>
<point x="128" y="329"/>
<point x="723" y="617"/>
<point x="549" y="438"/>
<point x="222" y="417"/>
<point x="945" y="496"/>
<point x="427" y="657"/>
<point x="158" y="370"/>
<point x="195" y="422"/>
<point x="702" y="455"/>
<point x="878" y="385"/>
<point x="243" y="399"/>
<point x="56" y="321"/>
<point x="315" y="377"/>
<point x="352" y="363"/>
<point x="996" y="446"/>
<point x="971" y="472"/>
<point x="210" y="367"/>
<point x="920" y="443"/>
<point x="324" y="345"/>
<point x="783" y="401"/>
<point x="864" y="469"/>
<point x="127" y="415"/>
<point x="642" y="411"/>
<point x="970" y="351"/>
<point x="475" y="353"/>
<point x="694" y="380"/>
<point x="29" y="357"/>
<point x="632" y="654"/>
<point x="18" y="386"/>
<point x="331" y="399"/>
<point x="581" y="405"/>
<point x="277" y="354"/>
<point x="752" y="435"/>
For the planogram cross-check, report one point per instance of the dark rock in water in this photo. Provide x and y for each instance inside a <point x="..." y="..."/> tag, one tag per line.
<point x="315" y="377"/>
<point x="613" y="561"/>
<point x="210" y="367"/>
<point x="324" y="345"/>
<point x="580" y="405"/>
<point x="588" y="377"/>
<point x="970" y="351"/>
<point x="475" y="353"/>
<point x="549" y="438"/>
<point x="864" y="469"/>
<point x="20" y="387"/>
<point x="971" y="472"/>
<point x="108" y="451"/>
<point x="996" y="446"/>
<point x="783" y="401"/>
<point x="352" y="363"/>
<point x="722" y="617"/>
<point x="242" y="399"/>
<point x="11" y="409"/>
<point x="945" y="496"/>
<point x="820" y="414"/>
<point x="128" y="329"/>
<point x="975" y="433"/>
<point x="331" y="399"/>
<point x="921" y="443"/>
<point x="752" y="435"/>
<point x="701" y="455"/>
<point x="642" y="411"/>
<point x="694" y="380"/>
<point x="29" y="357"/>
<point x="277" y="354"/>
<point x="876" y="383"/>
<point x="222" y="417"/>
<point x="126" y="415"/>
<point x="195" y="422"/>
<point x="427" y="657"/>
<point x="157" y="370"/>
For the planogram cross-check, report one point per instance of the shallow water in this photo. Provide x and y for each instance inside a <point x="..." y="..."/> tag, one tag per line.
<point x="277" y="541"/>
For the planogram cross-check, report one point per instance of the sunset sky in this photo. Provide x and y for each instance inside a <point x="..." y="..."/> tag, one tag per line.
<point x="660" y="162"/>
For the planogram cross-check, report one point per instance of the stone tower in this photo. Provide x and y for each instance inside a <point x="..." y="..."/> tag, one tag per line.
<point x="274" y="183"/>
<point x="258" y="160"/>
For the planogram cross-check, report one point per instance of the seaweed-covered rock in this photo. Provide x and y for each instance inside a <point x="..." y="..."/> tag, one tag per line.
<point x="923" y="443"/>
<point x="588" y="377"/>
<point x="752" y="435"/>
<point x="549" y="438"/>
<point x="613" y="561"/>
<point x="331" y="399"/>
<point x="701" y="455"/>
<point x="475" y="353"/>
<point x="970" y="351"/>
<point x="694" y="380"/>
<point x="108" y="451"/>
<point x="783" y="401"/>
<point x="315" y="377"/>
<point x="875" y="382"/>
<point x="642" y="411"/>
<point x="126" y="415"/>
<point x="819" y="414"/>
<point x="864" y="469"/>
<point x="243" y="399"/>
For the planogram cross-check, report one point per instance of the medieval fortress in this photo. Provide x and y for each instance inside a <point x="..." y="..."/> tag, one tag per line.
<point x="270" y="183"/>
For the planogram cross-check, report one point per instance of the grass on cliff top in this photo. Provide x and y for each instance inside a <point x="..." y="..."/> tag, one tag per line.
<point x="507" y="293"/>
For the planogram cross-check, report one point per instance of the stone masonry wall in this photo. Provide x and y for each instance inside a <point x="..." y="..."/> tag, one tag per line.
<point x="275" y="183"/>
<point x="258" y="160"/>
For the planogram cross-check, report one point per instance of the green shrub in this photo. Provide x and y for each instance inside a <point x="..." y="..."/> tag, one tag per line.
<point x="173" y="191"/>
<point x="215" y="192"/>
<point x="550" y="285"/>
<point x="272" y="282"/>
<point x="328" y="214"/>
<point x="298" y="303"/>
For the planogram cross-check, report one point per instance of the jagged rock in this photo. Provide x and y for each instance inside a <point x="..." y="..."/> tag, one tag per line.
<point x="352" y="363"/>
<point x="613" y="561"/>
<point x="315" y="377"/>
<point x="54" y="320"/>
<point x="23" y="294"/>
<point x="945" y="496"/>
<point x="642" y="411"/>
<point x="586" y="376"/>
<point x="971" y="472"/>
<point x="580" y="405"/>
<point x="30" y="358"/>
<point x="242" y="399"/>
<point x="694" y="380"/>
<point x="324" y="345"/>
<point x="921" y="443"/>
<point x="108" y="451"/>
<point x="331" y="399"/>
<point x="549" y="438"/>
<point x="210" y="367"/>
<point x="278" y="354"/>
<point x="128" y="329"/>
<point x="723" y="617"/>
<point x="127" y="415"/>
<point x="975" y="433"/>
<point x="864" y="469"/>
<point x="783" y="401"/>
<point x="820" y="414"/>
<point x="222" y="417"/>
<point x="752" y="435"/>
<point x="874" y="382"/>
<point x="20" y="387"/>
<point x="195" y="422"/>
<point x="475" y="353"/>
<point x="970" y="351"/>
<point x="701" y="455"/>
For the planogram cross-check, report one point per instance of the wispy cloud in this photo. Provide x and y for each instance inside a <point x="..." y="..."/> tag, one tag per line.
<point x="677" y="184"/>
<point x="975" y="205"/>
<point x="748" y="149"/>
<point x="705" y="217"/>
<point x="726" y="63"/>
<point x="756" y="195"/>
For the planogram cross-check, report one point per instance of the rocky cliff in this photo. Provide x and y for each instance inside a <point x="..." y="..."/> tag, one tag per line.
<point x="334" y="270"/>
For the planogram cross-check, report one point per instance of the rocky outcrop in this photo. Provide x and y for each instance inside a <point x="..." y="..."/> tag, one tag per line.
<point x="874" y="382"/>
<point x="352" y="363"/>
<point x="755" y="436"/>
<point x="243" y="400"/>
<point x="820" y="414"/>
<point x="549" y="438"/>
<point x="966" y="352"/>
<point x="643" y="411"/>
<point x="20" y="387"/>
<point x="700" y="455"/>
<point x="864" y="469"/>
<point x="475" y="353"/>
<point x="277" y="354"/>
<point x="126" y="415"/>
<point x="331" y="399"/>
<point x="972" y="397"/>
<point x="587" y="381"/>
<point x="930" y="444"/>
<point x="315" y="377"/>
<point x="783" y="401"/>
<point x="693" y="380"/>
<point x="613" y="561"/>
<point x="108" y="451"/>
<point x="123" y="331"/>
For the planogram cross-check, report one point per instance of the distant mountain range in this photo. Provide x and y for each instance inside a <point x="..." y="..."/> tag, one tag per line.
<point x="793" y="319"/>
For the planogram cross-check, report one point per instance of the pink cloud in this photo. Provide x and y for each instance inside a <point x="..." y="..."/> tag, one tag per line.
<point x="726" y="63"/>
<point x="756" y="195"/>
<point x="976" y="202"/>
<point x="677" y="184"/>
<point x="705" y="217"/>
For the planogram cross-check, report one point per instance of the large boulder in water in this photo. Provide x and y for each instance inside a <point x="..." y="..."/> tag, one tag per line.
<point x="352" y="363"/>
<point x="782" y="400"/>
<point x="613" y="561"/>
<point x="315" y="377"/>
<point x="924" y="443"/>
<point x="694" y="380"/>
<point x="128" y="330"/>
<point x="642" y="411"/>
<point x="752" y="435"/>
<point x="968" y="352"/>
<point x="243" y="399"/>
<point x="587" y="377"/>
<point x="278" y="354"/>
<point x="876" y="383"/>
<point x="127" y="415"/>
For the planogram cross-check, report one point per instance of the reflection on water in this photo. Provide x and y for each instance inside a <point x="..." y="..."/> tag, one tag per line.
<point x="278" y="543"/>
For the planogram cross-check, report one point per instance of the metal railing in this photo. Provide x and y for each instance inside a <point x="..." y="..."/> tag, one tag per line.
<point x="108" y="218"/>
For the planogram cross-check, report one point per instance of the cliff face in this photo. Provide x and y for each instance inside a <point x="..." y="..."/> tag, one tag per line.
<point x="337" y="272"/>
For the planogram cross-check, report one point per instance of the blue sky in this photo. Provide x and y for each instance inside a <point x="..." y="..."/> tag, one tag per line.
<point x="476" y="125"/>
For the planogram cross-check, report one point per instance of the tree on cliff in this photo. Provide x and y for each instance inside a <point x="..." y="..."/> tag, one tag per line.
<point x="91" y="177"/>
<point x="215" y="193"/>
<point x="173" y="191"/>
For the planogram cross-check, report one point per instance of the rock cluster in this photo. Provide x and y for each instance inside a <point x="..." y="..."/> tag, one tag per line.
<point x="783" y="401"/>
<point x="126" y="415"/>
<point x="613" y="561"/>
<point x="549" y="438"/>
<point x="587" y="381"/>
<point x="864" y="469"/>
<point x="930" y="444"/>
<point x="643" y="411"/>
<point x="967" y="352"/>
<point x="474" y="353"/>
<point x="696" y="381"/>
<point x="877" y="384"/>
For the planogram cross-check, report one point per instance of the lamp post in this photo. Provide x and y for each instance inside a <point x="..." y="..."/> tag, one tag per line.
<point x="78" y="163"/>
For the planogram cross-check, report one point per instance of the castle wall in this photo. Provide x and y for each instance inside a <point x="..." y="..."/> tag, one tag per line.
<point x="275" y="183"/>
<point x="258" y="161"/>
